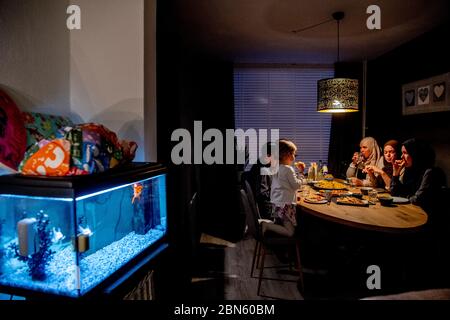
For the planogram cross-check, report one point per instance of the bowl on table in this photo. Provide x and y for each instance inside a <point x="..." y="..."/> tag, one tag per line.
<point x="386" y="201"/>
<point x="365" y="190"/>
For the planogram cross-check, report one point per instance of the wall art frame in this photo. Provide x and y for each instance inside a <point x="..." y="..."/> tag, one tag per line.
<point x="427" y="95"/>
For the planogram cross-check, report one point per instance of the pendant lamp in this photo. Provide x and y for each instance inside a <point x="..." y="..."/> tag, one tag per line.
<point x="337" y="95"/>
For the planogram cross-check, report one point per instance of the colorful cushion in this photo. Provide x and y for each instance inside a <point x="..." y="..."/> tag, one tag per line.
<point x="44" y="126"/>
<point x="52" y="159"/>
<point x="12" y="132"/>
<point x="84" y="149"/>
<point x="94" y="148"/>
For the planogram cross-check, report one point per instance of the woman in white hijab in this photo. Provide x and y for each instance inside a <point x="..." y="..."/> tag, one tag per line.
<point x="370" y="154"/>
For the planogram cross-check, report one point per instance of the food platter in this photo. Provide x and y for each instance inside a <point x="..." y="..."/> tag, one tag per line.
<point x="315" y="199"/>
<point x="336" y="192"/>
<point x="330" y="185"/>
<point x="352" y="201"/>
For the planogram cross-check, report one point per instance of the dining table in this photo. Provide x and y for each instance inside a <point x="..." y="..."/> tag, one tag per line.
<point x="396" y="218"/>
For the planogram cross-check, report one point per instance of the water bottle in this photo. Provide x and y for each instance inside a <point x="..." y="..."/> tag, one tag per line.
<point x="311" y="172"/>
<point x="325" y="169"/>
<point x="320" y="175"/>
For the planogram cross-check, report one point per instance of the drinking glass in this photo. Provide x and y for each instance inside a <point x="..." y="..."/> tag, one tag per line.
<point x="328" y="196"/>
<point x="373" y="196"/>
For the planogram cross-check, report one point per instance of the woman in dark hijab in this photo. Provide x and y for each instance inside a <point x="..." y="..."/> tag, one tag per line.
<point x="421" y="182"/>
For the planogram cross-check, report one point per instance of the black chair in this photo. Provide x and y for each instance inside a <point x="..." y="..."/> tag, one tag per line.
<point x="251" y="199"/>
<point x="266" y="241"/>
<point x="194" y="224"/>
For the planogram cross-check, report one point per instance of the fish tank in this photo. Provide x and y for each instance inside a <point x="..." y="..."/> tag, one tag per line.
<point x="67" y="236"/>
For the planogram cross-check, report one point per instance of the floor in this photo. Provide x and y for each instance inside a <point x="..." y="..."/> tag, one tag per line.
<point x="223" y="273"/>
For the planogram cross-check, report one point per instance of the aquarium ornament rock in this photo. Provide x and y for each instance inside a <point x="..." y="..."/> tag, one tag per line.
<point x="81" y="242"/>
<point x="28" y="237"/>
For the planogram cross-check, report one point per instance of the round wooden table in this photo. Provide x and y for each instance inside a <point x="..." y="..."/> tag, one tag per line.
<point x="396" y="218"/>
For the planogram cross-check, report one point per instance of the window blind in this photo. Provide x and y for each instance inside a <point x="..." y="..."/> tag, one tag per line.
<point x="284" y="99"/>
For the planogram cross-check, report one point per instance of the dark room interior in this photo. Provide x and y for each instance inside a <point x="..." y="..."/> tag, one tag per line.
<point x="143" y="70"/>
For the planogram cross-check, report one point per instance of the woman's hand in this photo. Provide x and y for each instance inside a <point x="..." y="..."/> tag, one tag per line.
<point x="370" y="169"/>
<point x="356" y="182"/>
<point x="397" y="166"/>
<point x="355" y="158"/>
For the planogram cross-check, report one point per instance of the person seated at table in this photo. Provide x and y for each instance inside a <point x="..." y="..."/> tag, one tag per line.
<point x="283" y="191"/>
<point x="261" y="181"/>
<point x="421" y="183"/>
<point x="370" y="154"/>
<point x="381" y="177"/>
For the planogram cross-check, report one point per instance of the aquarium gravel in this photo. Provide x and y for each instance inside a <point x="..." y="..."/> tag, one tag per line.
<point x="61" y="272"/>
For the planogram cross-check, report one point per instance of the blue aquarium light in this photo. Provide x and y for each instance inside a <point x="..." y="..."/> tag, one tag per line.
<point x="37" y="198"/>
<point x="115" y="188"/>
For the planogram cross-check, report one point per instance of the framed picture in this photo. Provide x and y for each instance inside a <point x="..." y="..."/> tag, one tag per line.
<point x="427" y="95"/>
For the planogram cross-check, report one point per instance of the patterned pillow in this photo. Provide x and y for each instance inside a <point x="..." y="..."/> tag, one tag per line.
<point x="41" y="126"/>
<point x="12" y="133"/>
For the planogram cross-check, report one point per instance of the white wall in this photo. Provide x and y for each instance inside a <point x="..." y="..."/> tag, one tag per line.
<point x="95" y="74"/>
<point x="150" y="80"/>
<point x="34" y="54"/>
<point x="107" y="67"/>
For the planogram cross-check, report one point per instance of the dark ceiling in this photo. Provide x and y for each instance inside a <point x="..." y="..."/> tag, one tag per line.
<point x="260" y="31"/>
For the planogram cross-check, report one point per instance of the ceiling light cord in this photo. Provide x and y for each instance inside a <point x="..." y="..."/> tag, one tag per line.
<point x="312" y="26"/>
<point x="338" y="44"/>
<point x="338" y="16"/>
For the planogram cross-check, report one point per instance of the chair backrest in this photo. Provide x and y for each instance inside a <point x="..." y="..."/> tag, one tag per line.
<point x="251" y="218"/>
<point x="251" y="199"/>
<point x="194" y="222"/>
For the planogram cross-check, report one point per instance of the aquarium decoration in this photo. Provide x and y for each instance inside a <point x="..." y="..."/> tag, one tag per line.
<point x="83" y="239"/>
<point x="40" y="252"/>
<point x="28" y="236"/>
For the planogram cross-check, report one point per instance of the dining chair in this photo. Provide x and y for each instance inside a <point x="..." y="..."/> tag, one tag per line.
<point x="194" y="224"/>
<point x="251" y="198"/>
<point x="267" y="241"/>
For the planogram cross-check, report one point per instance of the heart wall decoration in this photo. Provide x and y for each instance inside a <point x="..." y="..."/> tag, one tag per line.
<point x="439" y="92"/>
<point x="410" y="98"/>
<point x="427" y="95"/>
<point x="424" y="95"/>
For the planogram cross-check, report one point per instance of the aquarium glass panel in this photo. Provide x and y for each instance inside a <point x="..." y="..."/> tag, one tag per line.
<point x="36" y="250"/>
<point x="116" y="225"/>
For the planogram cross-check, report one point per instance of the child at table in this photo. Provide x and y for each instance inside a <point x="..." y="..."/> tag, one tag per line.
<point x="283" y="191"/>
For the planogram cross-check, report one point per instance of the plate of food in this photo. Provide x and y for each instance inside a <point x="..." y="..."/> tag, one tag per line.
<point x="315" y="199"/>
<point x="352" y="201"/>
<point x="335" y="193"/>
<point x="400" y="200"/>
<point x="330" y="185"/>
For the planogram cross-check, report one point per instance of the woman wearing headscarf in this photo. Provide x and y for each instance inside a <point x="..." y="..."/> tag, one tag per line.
<point x="422" y="184"/>
<point x="370" y="154"/>
<point x="381" y="177"/>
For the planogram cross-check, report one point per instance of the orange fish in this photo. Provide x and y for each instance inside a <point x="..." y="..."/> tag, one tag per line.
<point x="137" y="190"/>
